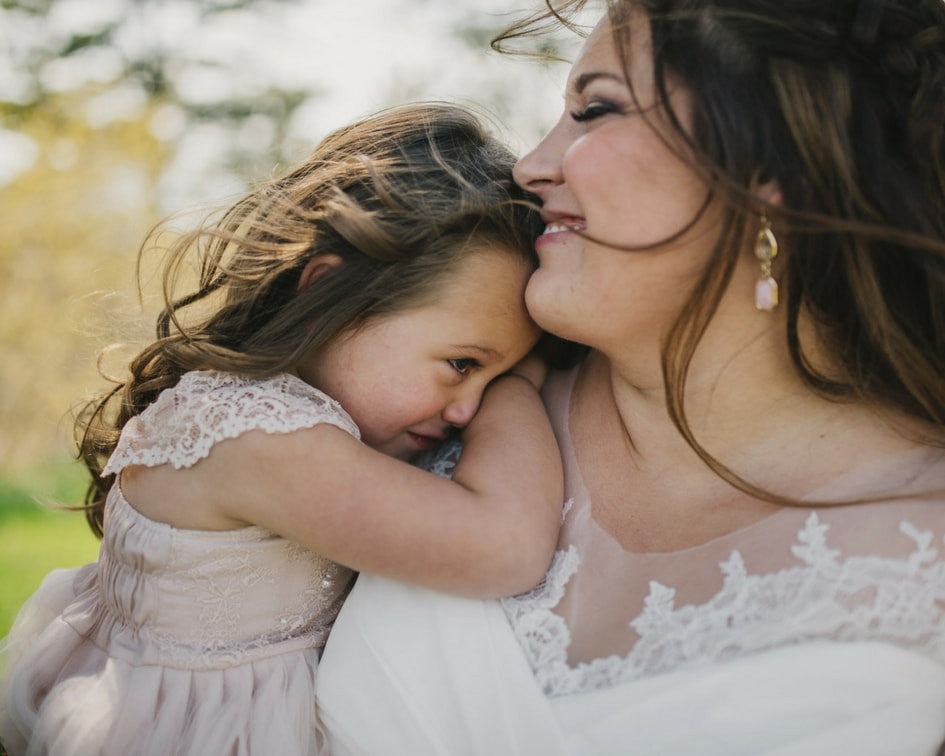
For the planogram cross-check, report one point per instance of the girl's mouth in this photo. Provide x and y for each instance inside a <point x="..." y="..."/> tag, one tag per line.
<point x="424" y="442"/>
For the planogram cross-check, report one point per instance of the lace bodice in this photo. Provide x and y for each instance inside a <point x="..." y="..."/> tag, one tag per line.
<point x="604" y="615"/>
<point x="827" y="593"/>
<point x="179" y="640"/>
<point x="208" y="599"/>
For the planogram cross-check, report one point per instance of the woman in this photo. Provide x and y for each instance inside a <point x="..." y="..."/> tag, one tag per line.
<point x="745" y="209"/>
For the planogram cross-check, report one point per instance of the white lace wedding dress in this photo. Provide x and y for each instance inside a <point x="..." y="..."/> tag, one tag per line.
<point x="807" y="632"/>
<point x="180" y="641"/>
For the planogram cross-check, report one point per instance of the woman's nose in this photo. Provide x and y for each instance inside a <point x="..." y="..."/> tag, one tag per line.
<point x="461" y="410"/>
<point x="541" y="168"/>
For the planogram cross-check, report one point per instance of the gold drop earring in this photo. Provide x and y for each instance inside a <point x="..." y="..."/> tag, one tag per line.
<point x="766" y="249"/>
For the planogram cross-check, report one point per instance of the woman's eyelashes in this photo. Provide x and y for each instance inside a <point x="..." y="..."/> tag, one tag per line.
<point x="594" y="110"/>
<point x="463" y="365"/>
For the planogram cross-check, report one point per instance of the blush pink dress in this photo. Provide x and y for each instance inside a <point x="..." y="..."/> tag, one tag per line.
<point x="180" y="641"/>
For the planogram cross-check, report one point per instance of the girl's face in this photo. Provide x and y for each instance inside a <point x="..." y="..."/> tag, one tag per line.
<point x="408" y="378"/>
<point x="605" y="170"/>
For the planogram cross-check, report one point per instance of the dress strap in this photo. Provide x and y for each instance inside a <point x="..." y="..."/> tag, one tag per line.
<point x="206" y="407"/>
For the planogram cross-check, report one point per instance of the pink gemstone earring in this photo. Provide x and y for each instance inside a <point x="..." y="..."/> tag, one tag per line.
<point x="766" y="249"/>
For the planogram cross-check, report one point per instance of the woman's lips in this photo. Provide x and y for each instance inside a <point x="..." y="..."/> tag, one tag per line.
<point x="557" y="229"/>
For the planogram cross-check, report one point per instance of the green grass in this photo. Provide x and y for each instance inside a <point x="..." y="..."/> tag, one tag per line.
<point x="37" y="538"/>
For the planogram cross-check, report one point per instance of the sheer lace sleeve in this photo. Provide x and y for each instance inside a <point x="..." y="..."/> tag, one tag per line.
<point x="206" y="407"/>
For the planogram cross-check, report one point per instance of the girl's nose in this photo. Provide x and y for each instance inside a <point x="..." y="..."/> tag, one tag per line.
<point x="459" y="412"/>
<point x="541" y="168"/>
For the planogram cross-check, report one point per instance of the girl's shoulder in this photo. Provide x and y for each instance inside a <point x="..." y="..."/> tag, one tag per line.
<point x="206" y="407"/>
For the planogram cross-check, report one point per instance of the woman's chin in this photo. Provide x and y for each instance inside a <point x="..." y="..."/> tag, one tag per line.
<point x="545" y="308"/>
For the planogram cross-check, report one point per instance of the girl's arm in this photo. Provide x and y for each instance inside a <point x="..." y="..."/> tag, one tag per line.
<point x="490" y="531"/>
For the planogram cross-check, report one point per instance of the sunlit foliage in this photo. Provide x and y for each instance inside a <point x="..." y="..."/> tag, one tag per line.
<point x="70" y="227"/>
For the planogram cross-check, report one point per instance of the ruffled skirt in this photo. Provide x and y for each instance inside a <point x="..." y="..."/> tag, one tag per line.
<point x="62" y="693"/>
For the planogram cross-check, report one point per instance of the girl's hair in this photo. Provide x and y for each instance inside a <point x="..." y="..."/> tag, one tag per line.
<point x="843" y="104"/>
<point x="400" y="197"/>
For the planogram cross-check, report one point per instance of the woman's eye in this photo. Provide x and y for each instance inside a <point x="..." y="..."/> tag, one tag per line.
<point x="594" y="110"/>
<point x="463" y="365"/>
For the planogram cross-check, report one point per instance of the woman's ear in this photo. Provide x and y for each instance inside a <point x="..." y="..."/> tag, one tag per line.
<point x="768" y="193"/>
<point x="316" y="268"/>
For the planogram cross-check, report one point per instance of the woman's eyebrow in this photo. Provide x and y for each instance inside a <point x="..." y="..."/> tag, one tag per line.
<point x="582" y="81"/>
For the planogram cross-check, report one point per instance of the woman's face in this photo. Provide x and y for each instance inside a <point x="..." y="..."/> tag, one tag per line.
<point x="605" y="170"/>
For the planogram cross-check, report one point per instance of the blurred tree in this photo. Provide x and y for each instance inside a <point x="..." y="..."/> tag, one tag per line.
<point x="136" y="51"/>
<point x="114" y="113"/>
<point x="254" y="72"/>
<point x="72" y="226"/>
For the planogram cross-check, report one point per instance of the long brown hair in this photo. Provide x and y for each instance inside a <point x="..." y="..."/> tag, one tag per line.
<point x="400" y="197"/>
<point x="843" y="104"/>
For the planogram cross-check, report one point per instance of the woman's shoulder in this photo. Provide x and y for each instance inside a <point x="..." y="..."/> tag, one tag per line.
<point x="890" y="507"/>
<point x="206" y="407"/>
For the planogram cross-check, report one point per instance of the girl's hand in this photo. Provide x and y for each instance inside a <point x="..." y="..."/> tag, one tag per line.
<point x="532" y="368"/>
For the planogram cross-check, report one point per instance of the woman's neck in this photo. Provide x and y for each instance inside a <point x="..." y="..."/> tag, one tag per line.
<point x="739" y="367"/>
<point x="653" y="493"/>
<point x="746" y="404"/>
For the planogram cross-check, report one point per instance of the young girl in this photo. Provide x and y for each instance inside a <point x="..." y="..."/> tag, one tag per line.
<point x="345" y="317"/>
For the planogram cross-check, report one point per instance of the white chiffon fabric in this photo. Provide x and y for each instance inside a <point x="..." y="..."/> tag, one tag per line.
<point x="408" y="671"/>
<point x="805" y="632"/>
<point x="179" y="641"/>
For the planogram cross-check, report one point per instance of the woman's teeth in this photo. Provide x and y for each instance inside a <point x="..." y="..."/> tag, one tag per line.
<point x="553" y="228"/>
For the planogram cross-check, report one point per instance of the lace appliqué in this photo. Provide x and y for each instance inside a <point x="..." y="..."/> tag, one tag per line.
<point x="319" y="601"/>
<point x="542" y="634"/>
<point x="206" y="407"/>
<point x="901" y="601"/>
<point x="442" y="460"/>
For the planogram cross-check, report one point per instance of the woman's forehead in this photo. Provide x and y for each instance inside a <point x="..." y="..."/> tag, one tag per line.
<point x="599" y="56"/>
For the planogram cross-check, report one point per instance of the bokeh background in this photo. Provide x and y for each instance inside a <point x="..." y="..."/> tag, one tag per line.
<point x="117" y="113"/>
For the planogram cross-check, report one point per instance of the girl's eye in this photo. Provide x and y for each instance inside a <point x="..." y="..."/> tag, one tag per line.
<point x="463" y="365"/>
<point x="594" y="110"/>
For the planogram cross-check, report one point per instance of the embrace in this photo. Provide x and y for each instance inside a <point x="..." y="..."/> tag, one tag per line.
<point x="632" y="445"/>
